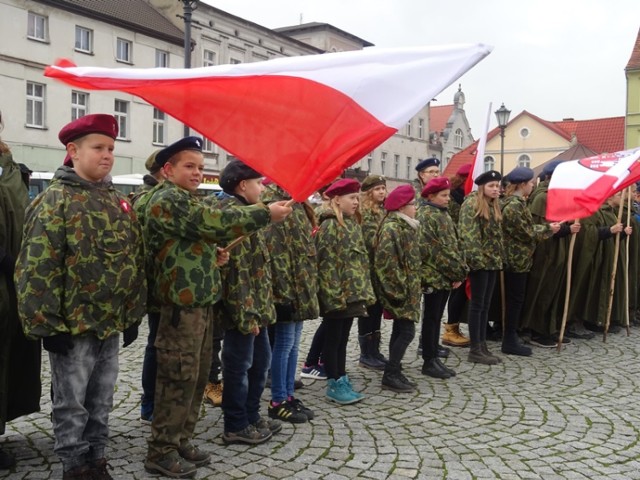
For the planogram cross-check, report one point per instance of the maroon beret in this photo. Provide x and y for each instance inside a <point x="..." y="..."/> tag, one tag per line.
<point x="94" y="123"/>
<point x="464" y="170"/>
<point x="399" y="197"/>
<point x="436" y="185"/>
<point x="344" y="186"/>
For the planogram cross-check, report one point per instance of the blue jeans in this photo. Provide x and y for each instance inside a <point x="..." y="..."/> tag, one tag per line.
<point x="149" y="366"/>
<point x="83" y="382"/>
<point x="284" y="359"/>
<point x="245" y="362"/>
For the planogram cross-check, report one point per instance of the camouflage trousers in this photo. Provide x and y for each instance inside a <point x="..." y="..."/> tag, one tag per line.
<point x="183" y="359"/>
<point x="83" y="382"/>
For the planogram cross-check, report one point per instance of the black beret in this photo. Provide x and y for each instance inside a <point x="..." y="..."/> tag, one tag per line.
<point x="234" y="173"/>
<point x="520" y="175"/>
<point x="426" y="163"/>
<point x="486" y="177"/>
<point x="186" y="143"/>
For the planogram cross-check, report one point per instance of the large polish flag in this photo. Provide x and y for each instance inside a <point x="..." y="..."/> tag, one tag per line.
<point x="478" y="162"/>
<point x="297" y="120"/>
<point x="578" y="187"/>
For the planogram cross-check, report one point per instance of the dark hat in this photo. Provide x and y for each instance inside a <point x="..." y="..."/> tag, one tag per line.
<point x="550" y="167"/>
<point x="435" y="185"/>
<point x="151" y="164"/>
<point x="520" y="175"/>
<point x="426" y="163"/>
<point x="399" y="197"/>
<point x="344" y="186"/>
<point x="94" y="123"/>
<point x="234" y="173"/>
<point x="464" y="170"/>
<point x="186" y="143"/>
<point x="25" y="169"/>
<point x="372" y="181"/>
<point x="486" y="177"/>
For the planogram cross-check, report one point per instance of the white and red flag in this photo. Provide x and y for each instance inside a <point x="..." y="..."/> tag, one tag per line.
<point x="297" y="120"/>
<point x="478" y="162"/>
<point x="578" y="187"/>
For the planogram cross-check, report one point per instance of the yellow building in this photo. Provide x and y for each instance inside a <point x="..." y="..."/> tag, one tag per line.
<point x="632" y="124"/>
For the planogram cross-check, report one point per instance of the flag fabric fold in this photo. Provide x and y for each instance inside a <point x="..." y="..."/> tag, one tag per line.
<point x="478" y="162"/>
<point x="297" y="120"/>
<point x="578" y="187"/>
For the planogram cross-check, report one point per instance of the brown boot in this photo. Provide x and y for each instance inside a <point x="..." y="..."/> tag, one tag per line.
<point x="476" y="355"/>
<point x="213" y="394"/>
<point x="487" y="353"/>
<point x="453" y="337"/>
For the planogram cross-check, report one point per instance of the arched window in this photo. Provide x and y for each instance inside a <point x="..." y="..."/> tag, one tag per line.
<point x="524" y="160"/>
<point x="458" y="138"/>
<point x="489" y="162"/>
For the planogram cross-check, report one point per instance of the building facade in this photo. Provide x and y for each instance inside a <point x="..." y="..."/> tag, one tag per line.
<point x="632" y="117"/>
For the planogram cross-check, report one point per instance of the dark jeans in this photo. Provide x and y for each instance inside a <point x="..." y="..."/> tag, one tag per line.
<point x="245" y="362"/>
<point x="216" y="364"/>
<point x="482" y="285"/>
<point x="433" y="308"/>
<point x="370" y="324"/>
<point x="402" y="334"/>
<point x="150" y="366"/>
<point x="515" y="289"/>
<point x="334" y="351"/>
<point x="457" y="301"/>
<point x="315" y="356"/>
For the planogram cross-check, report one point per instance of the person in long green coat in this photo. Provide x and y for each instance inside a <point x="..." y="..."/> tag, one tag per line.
<point x="19" y="358"/>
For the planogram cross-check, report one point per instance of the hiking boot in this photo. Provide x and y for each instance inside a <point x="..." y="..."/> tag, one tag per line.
<point x="274" y="426"/>
<point x="487" y="353"/>
<point x="314" y="372"/>
<point x="194" y="455"/>
<point x="345" y="379"/>
<point x="338" y="392"/>
<point x="300" y="406"/>
<point x="453" y="337"/>
<point x="392" y="380"/>
<point x="433" y="369"/>
<point x="367" y="347"/>
<point x="171" y="465"/>
<point x="98" y="470"/>
<point x="250" y="434"/>
<point x="476" y="355"/>
<point x="286" y="412"/>
<point x="82" y="472"/>
<point x="213" y="394"/>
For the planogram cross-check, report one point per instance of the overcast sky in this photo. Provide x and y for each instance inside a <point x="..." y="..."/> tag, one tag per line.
<point x="553" y="58"/>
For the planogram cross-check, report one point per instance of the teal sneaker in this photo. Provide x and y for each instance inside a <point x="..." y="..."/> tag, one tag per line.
<point x="338" y="392"/>
<point x="345" y="380"/>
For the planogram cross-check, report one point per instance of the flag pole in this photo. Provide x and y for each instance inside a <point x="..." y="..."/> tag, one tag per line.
<point x="626" y="270"/>
<point x="612" y="285"/>
<point x="567" y="291"/>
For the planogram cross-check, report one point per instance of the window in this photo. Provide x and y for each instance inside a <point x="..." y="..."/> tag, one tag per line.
<point x="84" y="39"/>
<point x="524" y="160"/>
<point x="524" y="132"/>
<point x="369" y="162"/>
<point x="234" y="61"/>
<point x="162" y="59"/>
<point x="79" y="105"/>
<point x="208" y="58"/>
<point x="209" y="147"/>
<point x="489" y="163"/>
<point x="159" y="123"/>
<point x="123" y="50"/>
<point x="36" y="27"/>
<point x="383" y="163"/>
<point x="408" y="167"/>
<point x="458" y="138"/>
<point x="35" y="104"/>
<point x="421" y="128"/>
<point x="409" y="128"/>
<point x="121" y="109"/>
<point x="396" y="166"/>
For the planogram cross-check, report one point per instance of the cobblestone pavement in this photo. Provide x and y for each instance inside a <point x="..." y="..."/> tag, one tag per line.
<point x="574" y="415"/>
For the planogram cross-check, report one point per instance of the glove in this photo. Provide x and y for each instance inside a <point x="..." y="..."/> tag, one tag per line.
<point x="284" y="312"/>
<point x="129" y="335"/>
<point x="60" y="343"/>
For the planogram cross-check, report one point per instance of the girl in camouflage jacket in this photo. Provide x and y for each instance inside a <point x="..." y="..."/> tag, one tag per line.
<point x="481" y="241"/>
<point x="344" y="283"/>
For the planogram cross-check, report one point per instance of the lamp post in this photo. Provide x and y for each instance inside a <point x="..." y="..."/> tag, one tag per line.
<point x="189" y="7"/>
<point x="502" y="115"/>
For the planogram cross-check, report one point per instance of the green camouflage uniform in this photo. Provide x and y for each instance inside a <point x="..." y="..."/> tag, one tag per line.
<point x="418" y="186"/>
<point x="442" y="260"/>
<point x="343" y="267"/>
<point x="480" y="239"/>
<point x="521" y="234"/>
<point x="294" y="270"/>
<point x="99" y="284"/>
<point x="457" y="197"/>
<point x="397" y="268"/>
<point x="247" y="297"/>
<point x="148" y="183"/>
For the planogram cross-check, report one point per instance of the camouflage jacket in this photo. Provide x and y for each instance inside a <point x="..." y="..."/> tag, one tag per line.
<point x="442" y="259"/>
<point x="247" y="295"/>
<point x="457" y="197"/>
<point x="480" y="239"/>
<point x="521" y="234"/>
<point x="149" y="182"/>
<point x="370" y="223"/>
<point x="418" y="186"/>
<point x="343" y="267"/>
<point x="294" y="269"/>
<point x="182" y="233"/>
<point x="397" y="267"/>
<point x="81" y="266"/>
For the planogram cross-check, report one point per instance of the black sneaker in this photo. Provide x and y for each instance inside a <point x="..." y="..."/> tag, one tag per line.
<point x="543" y="341"/>
<point x="300" y="406"/>
<point x="287" y="412"/>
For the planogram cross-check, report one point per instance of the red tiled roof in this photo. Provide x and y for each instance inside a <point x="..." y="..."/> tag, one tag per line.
<point x="461" y="158"/>
<point x="634" y="60"/>
<point x="438" y="117"/>
<point x="602" y="135"/>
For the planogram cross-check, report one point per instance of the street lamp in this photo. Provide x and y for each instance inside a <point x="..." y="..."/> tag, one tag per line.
<point x="189" y="6"/>
<point x="502" y="115"/>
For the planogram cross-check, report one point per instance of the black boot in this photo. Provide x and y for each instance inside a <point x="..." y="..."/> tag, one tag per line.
<point x="432" y="368"/>
<point x="476" y="355"/>
<point x="445" y="368"/>
<point x="511" y="345"/>
<point x="367" y="360"/>
<point x="6" y="460"/>
<point x="375" y="348"/>
<point x="391" y="380"/>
